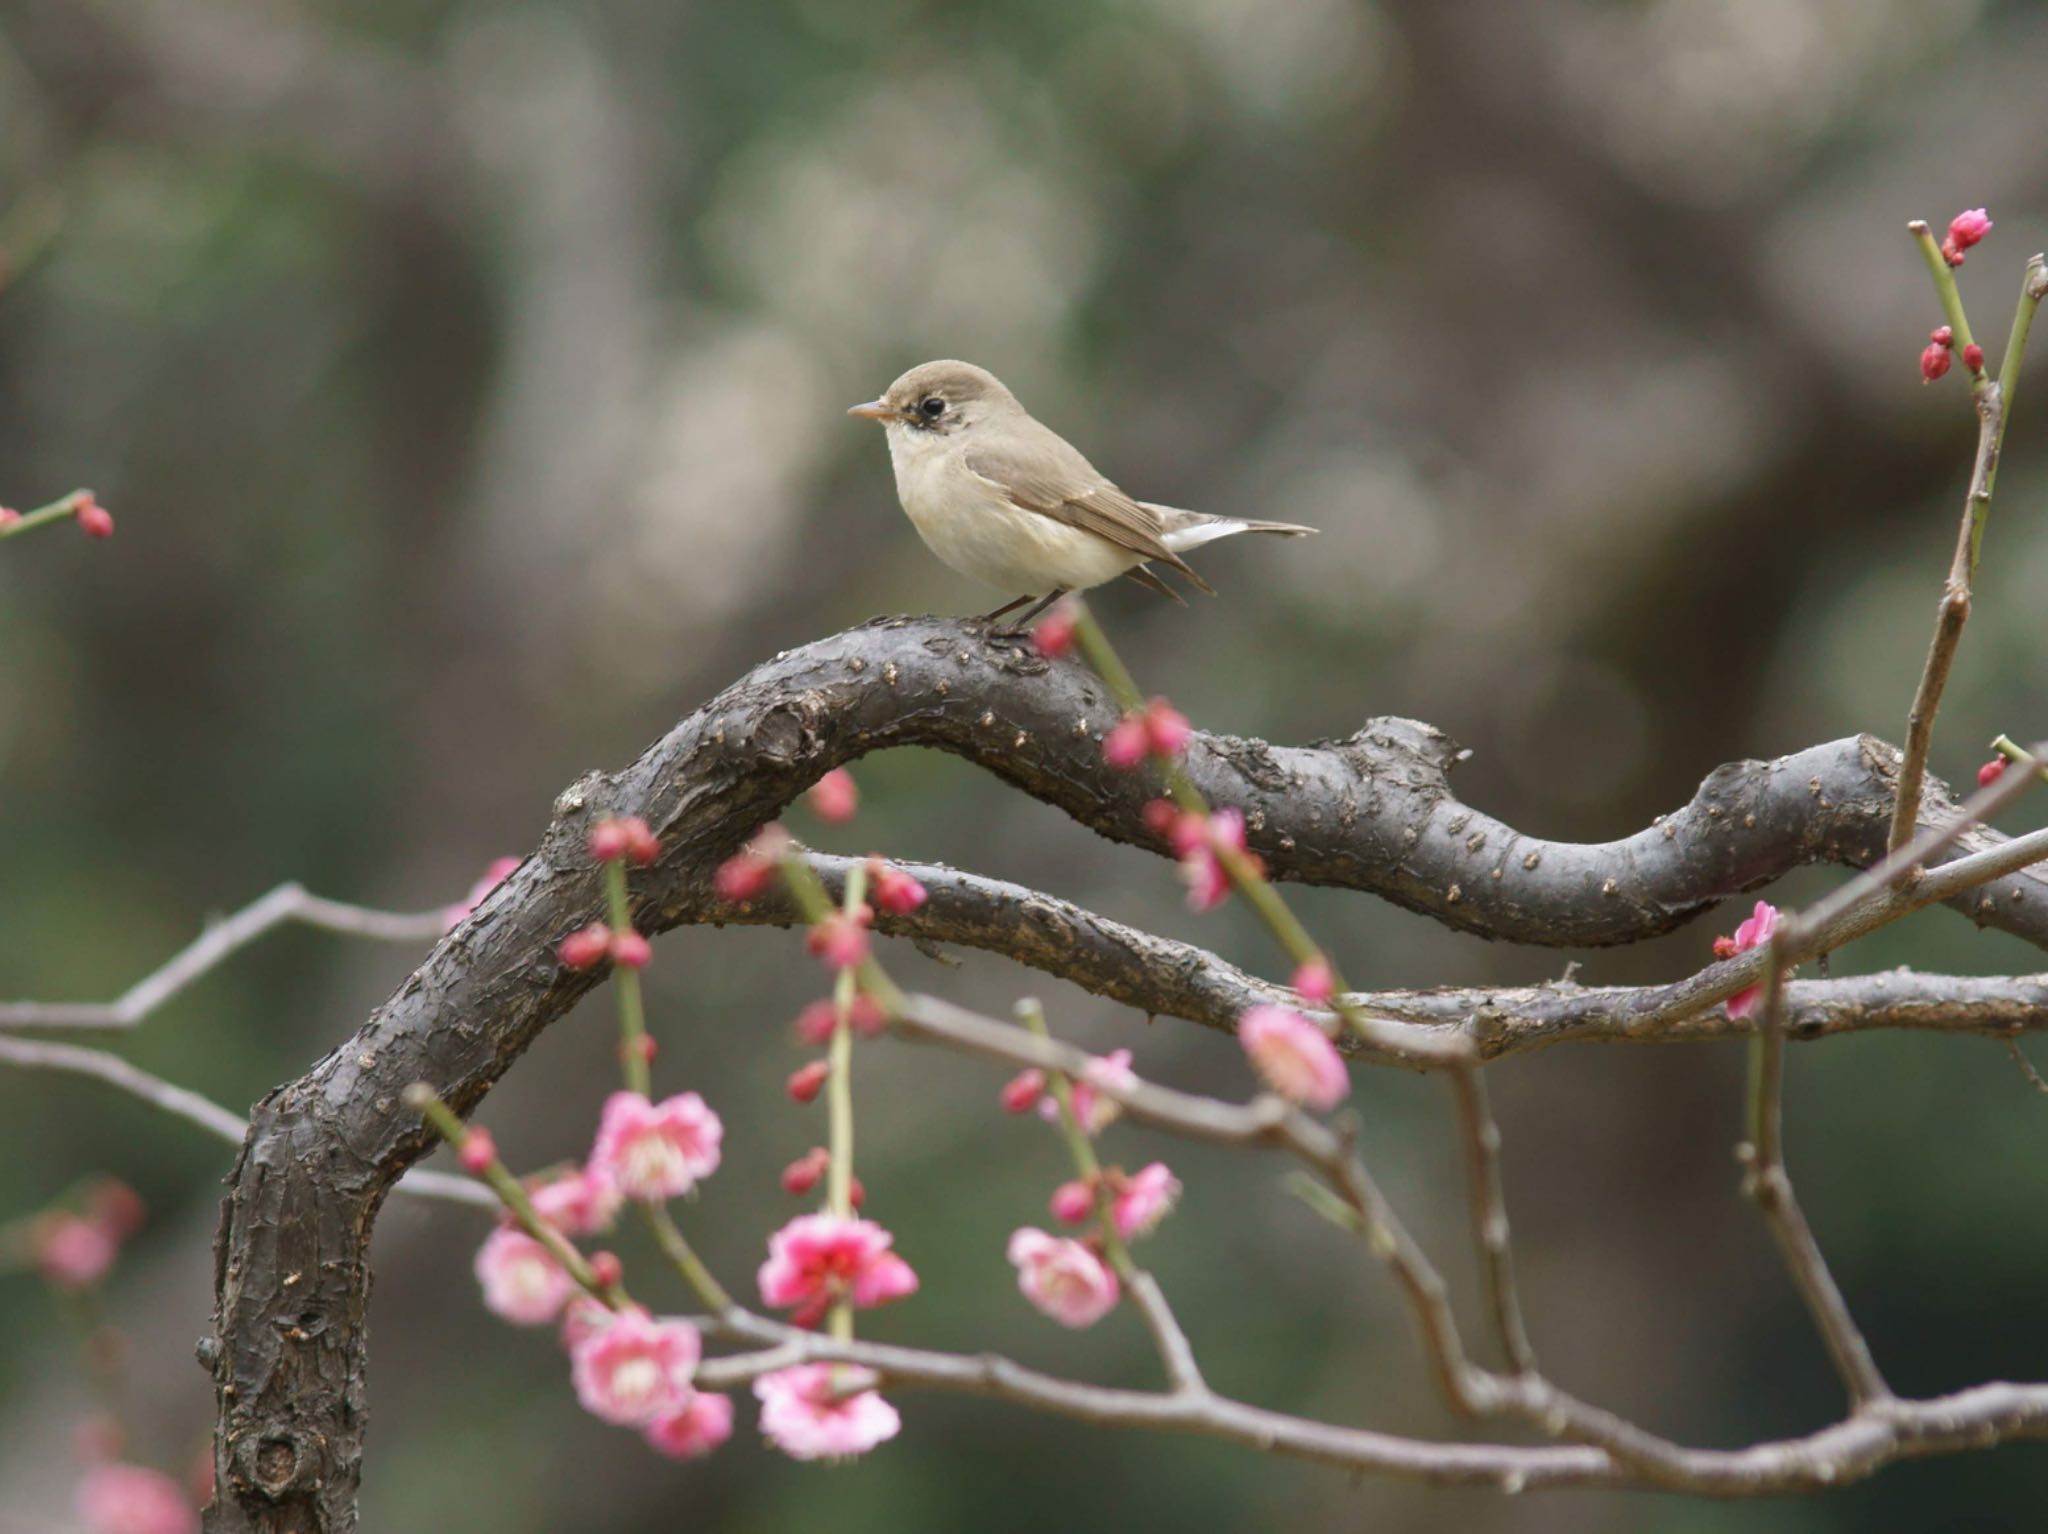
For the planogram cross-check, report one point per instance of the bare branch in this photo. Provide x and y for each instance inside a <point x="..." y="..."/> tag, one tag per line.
<point x="98" y="1064"/>
<point x="1490" y="1217"/>
<point x="286" y="903"/>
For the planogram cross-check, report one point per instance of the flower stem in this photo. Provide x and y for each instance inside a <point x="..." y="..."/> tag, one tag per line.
<point x="57" y="510"/>
<point x="1081" y="1148"/>
<point x="424" y="1101"/>
<point x="632" y="1006"/>
<point x="839" y="1094"/>
<point x="1944" y="283"/>
<point x="1258" y="891"/>
<point x="678" y="1251"/>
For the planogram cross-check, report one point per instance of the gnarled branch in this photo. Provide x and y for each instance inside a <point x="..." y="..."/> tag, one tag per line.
<point x="1373" y="812"/>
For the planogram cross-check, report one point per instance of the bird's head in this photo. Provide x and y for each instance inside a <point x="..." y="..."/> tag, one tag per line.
<point x="939" y="398"/>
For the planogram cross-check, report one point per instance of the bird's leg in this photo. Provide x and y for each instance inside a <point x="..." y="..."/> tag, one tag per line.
<point x="1010" y="606"/>
<point x="1024" y="622"/>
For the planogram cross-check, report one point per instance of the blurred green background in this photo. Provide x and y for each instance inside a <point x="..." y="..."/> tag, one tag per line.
<point x="466" y="379"/>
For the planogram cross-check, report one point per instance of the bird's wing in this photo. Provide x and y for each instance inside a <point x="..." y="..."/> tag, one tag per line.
<point x="1048" y="476"/>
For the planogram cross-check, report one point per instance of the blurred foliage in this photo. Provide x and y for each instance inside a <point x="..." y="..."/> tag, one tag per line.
<point x="467" y="380"/>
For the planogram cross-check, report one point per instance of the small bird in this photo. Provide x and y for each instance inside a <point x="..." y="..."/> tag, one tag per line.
<point x="1009" y="502"/>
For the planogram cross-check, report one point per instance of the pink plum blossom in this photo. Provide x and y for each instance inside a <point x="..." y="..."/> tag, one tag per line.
<point x="656" y="1150"/>
<point x="824" y="1411"/>
<point x="700" y="1425"/>
<point x="133" y="1499"/>
<point x="1141" y="1200"/>
<point x="840" y="939"/>
<point x="521" y="1280"/>
<point x="1062" y="1277"/>
<point x="1092" y="1109"/>
<point x="1295" y="1057"/>
<point x="582" y="1316"/>
<point x="1753" y="933"/>
<point x="1198" y="840"/>
<point x="635" y="1369"/>
<point x="71" y="1251"/>
<point x="578" y="1203"/>
<point x="817" y="1260"/>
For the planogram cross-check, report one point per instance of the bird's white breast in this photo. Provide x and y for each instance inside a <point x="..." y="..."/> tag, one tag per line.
<point x="971" y="525"/>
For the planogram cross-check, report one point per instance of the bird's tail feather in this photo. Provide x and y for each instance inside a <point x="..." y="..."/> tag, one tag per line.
<point x="1184" y="530"/>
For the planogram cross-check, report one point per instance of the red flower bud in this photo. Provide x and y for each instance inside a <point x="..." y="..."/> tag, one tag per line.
<point x="895" y="891"/>
<point x="1933" y="362"/>
<point x="478" y="1151"/>
<point x="804" y="1173"/>
<point x="645" y="1048"/>
<point x="630" y="950"/>
<point x="1314" y="983"/>
<point x="1965" y="230"/>
<point x="856" y="1195"/>
<point x="1942" y="335"/>
<point x="806" y="1083"/>
<point x="1166" y="728"/>
<point x="1072" y="1202"/>
<point x="747" y="872"/>
<point x="1124" y="746"/>
<point x="586" y="947"/>
<point x="93" y="519"/>
<point x="9" y="516"/>
<point x="1160" y="816"/>
<point x="1973" y="358"/>
<point x="606" y="1268"/>
<point x="1054" y="635"/>
<point x="1021" y="1091"/>
<point x="624" y="836"/>
<point x="1991" y="772"/>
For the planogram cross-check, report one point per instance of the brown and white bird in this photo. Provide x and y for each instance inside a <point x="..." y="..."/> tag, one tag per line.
<point x="1009" y="502"/>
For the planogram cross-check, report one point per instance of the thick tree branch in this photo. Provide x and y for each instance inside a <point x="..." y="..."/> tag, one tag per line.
<point x="1373" y="812"/>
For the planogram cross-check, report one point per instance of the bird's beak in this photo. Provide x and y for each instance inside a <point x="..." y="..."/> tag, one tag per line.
<point x="873" y="410"/>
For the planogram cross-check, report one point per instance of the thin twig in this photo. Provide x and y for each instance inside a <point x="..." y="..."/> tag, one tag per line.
<point x="1769" y="1184"/>
<point x="1490" y="1216"/>
<point x="286" y="903"/>
<point x="2019" y="1058"/>
<point x="77" y="1060"/>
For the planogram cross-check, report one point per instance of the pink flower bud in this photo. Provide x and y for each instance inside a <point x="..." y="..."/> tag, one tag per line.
<point x="1160" y="816"/>
<point x="1063" y="1278"/>
<point x="1942" y="335"/>
<point x="1313" y="982"/>
<point x="1973" y="358"/>
<point x="1125" y="745"/>
<point x="841" y="940"/>
<point x="93" y="519"/>
<point x="747" y="872"/>
<point x="630" y="950"/>
<point x="1072" y="1202"/>
<point x="804" y="1173"/>
<point x="1933" y="362"/>
<point x="1991" y="772"/>
<point x="808" y="1081"/>
<point x="624" y="836"/>
<point x="644" y="1047"/>
<point x="835" y="796"/>
<point x="814" y="1025"/>
<point x="1166" y="729"/>
<point x="586" y="947"/>
<point x="895" y="891"/>
<point x="1022" y="1091"/>
<point x="1054" y="635"/>
<point x="478" y="1151"/>
<point x="1966" y="229"/>
<point x="856" y="1195"/>
<point x="9" y="516"/>
<point x="606" y="1268"/>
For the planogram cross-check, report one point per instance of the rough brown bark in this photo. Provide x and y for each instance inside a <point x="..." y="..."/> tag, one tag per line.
<point x="1373" y="812"/>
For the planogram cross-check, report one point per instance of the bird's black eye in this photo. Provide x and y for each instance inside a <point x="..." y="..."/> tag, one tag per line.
<point x="931" y="407"/>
